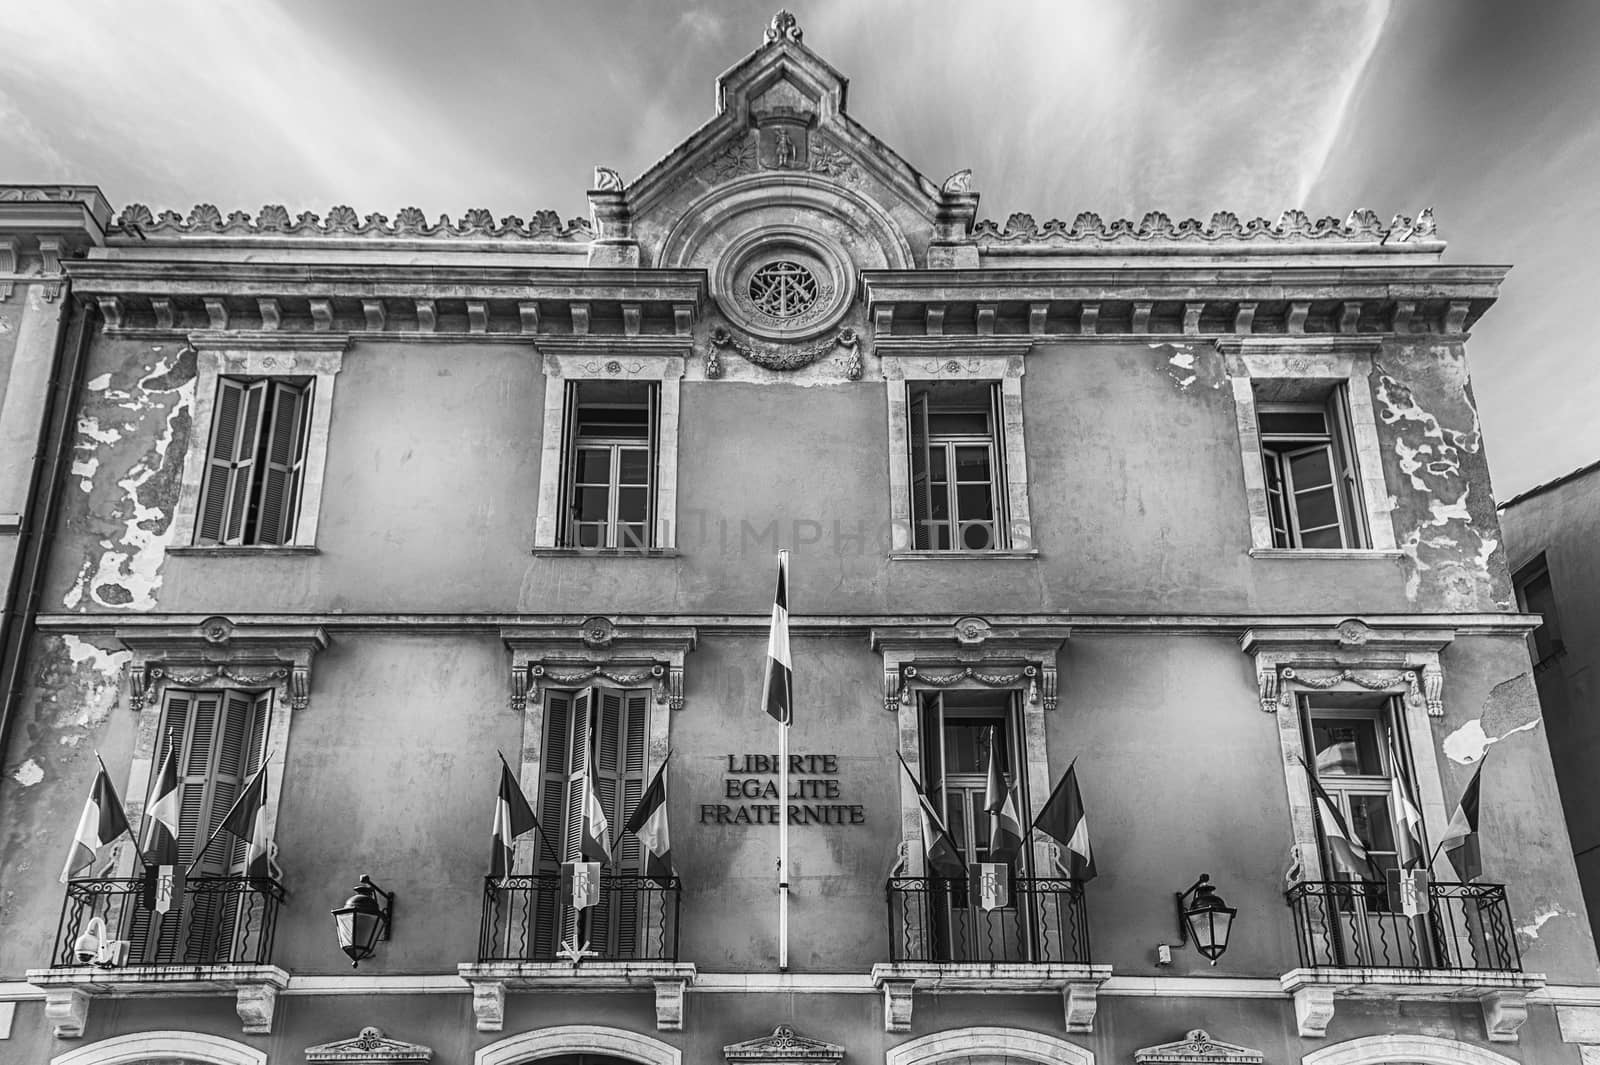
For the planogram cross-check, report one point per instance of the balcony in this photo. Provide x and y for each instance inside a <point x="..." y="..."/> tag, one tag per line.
<point x="216" y="939"/>
<point x="942" y="939"/>
<point x="1353" y="942"/>
<point x="531" y="938"/>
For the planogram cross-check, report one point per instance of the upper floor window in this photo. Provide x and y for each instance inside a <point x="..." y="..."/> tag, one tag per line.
<point x="958" y="482"/>
<point x="256" y="465"/>
<point x="1535" y="595"/>
<point x="610" y="478"/>
<point x="962" y="730"/>
<point x="1313" y="486"/>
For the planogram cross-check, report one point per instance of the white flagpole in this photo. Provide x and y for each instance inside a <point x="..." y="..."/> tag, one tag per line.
<point x="783" y="846"/>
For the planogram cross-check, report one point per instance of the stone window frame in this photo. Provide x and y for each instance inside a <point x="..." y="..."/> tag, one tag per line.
<point x="958" y="359"/>
<point x="607" y="361"/>
<point x="1422" y="1049"/>
<point x="1352" y="656"/>
<point x="264" y="355"/>
<point x="1338" y="360"/>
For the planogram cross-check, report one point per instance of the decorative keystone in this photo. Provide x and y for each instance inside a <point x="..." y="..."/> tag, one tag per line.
<point x="489" y="1004"/>
<point x="256" y="1003"/>
<point x="669" y="1005"/>
<point x="1313" y="1010"/>
<point x="68" y="1009"/>
<point x="1503" y="1014"/>
<point x="897" y="1005"/>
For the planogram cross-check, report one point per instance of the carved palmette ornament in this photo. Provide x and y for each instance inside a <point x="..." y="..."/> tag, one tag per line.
<point x="1197" y="1048"/>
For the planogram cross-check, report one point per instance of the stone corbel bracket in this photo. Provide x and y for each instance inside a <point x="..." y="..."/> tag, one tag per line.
<point x="545" y="656"/>
<point x="491" y="981"/>
<point x="1078" y="985"/>
<point x="219" y="650"/>
<point x="371" y="1047"/>
<point x="68" y="992"/>
<point x="1351" y="653"/>
<point x="969" y="652"/>
<point x="783" y="1047"/>
<point x="1502" y="996"/>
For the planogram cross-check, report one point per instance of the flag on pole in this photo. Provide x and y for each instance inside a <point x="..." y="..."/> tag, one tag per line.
<point x="777" y="688"/>
<point x="512" y="817"/>
<point x="160" y="844"/>
<point x="1460" y="841"/>
<point x="103" y="820"/>
<point x="1064" y="820"/>
<point x="1348" y="852"/>
<point x="649" y="823"/>
<point x="595" y="841"/>
<point x="944" y="856"/>
<point x="1005" y="826"/>
<point x="1408" y="842"/>
<point x="247" y="820"/>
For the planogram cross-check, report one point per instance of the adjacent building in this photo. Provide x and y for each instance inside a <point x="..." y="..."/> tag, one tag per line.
<point x="340" y="510"/>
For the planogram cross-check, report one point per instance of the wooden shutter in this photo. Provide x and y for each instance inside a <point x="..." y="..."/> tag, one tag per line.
<point x="921" y="492"/>
<point x="1345" y="468"/>
<point x="565" y="536"/>
<point x="554" y="766"/>
<point x="577" y="773"/>
<point x="234" y="433"/>
<point x="997" y="469"/>
<point x="653" y="431"/>
<point x="285" y="462"/>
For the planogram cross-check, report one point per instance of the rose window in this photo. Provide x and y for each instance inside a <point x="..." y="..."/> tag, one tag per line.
<point x="783" y="289"/>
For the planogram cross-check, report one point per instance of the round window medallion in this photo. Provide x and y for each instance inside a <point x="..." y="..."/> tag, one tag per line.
<point x="783" y="289"/>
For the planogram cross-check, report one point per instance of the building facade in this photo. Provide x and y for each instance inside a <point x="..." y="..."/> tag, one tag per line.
<point x="1550" y="533"/>
<point x="347" y="509"/>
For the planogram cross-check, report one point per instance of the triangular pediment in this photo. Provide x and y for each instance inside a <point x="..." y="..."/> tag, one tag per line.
<point x="1197" y="1048"/>
<point x="783" y="1045"/>
<point x="781" y="120"/>
<point x="370" y="1046"/>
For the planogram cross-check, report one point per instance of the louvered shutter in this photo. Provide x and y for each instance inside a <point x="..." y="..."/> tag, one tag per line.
<point x="554" y="762"/>
<point x="285" y="458"/>
<point x="153" y="938"/>
<point x="630" y="782"/>
<point x="921" y="492"/>
<point x="245" y="442"/>
<point x="651" y="537"/>
<point x="1349" y="477"/>
<point x="566" y="535"/>
<point x="219" y="474"/>
<point x="997" y="449"/>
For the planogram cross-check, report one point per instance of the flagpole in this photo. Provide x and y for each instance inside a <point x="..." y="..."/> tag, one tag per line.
<point x="783" y="847"/>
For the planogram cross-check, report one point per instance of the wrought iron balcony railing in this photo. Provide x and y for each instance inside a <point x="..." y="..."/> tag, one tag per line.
<point x="219" y="920"/>
<point x="1354" y="924"/>
<point x="528" y="918"/>
<point x="933" y="919"/>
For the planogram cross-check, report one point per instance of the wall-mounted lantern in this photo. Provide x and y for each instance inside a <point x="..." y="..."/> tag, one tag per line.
<point x="1205" y="918"/>
<point x="363" y="920"/>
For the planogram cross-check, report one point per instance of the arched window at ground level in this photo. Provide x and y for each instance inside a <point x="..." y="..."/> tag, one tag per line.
<point x="988" y="1046"/>
<point x="568" y="1043"/>
<point x="1404" y="1050"/>
<point x="163" y="1048"/>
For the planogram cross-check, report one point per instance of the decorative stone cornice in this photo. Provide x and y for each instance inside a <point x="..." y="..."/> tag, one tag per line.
<point x="1361" y="227"/>
<point x="138" y="223"/>
<point x="646" y="656"/>
<point x="47" y="222"/>
<point x="1352" y="653"/>
<point x="1197" y="1048"/>
<point x="219" y="650"/>
<point x="783" y="1046"/>
<point x="368" y="1048"/>
<point x="972" y="650"/>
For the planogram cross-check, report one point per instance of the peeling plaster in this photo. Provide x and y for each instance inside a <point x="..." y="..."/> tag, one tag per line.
<point x="135" y="523"/>
<point x="99" y="384"/>
<point x="1186" y="365"/>
<point x="1445" y="546"/>
<point x="1531" y="930"/>
<point x="28" y="773"/>
<point x="1469" y="743"/>
<point x="103" y="689"/>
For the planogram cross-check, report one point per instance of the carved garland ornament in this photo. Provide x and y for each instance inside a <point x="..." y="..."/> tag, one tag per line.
<point x="1041" y="682"/>
<point x="665" y="681"/>
<point x="1426" y="684"/>
<point x="781" y="358"/>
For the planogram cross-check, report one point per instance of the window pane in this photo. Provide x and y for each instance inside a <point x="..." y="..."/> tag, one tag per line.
<point x="1294" y="423"/>
<point x="634" y="466"/>
<point x="958" y="423"/>
<point x="1346" y="746"/>
<point x="591" y="535"/>
<point x="632" y="537"/>
<point x="632" y="504"/>
<point x="593" y="504"/>
<point x="936" y="464"/>
<point x="972" y="464"/>
<point x="1370" y="821"/>
<point x="1328" y="539"/>
<point x="974" y="502"/>
<point x="1316" y="509"/>
<point x="594" y="465"/>
<point x="1310" y="469"/>
<point x="977" y="535"/>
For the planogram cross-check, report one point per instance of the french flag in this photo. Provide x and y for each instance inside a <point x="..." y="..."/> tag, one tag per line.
<point x="778" y="688"/>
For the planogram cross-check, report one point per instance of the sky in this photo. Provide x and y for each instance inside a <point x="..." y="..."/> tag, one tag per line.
<point x="1489" y="112"/>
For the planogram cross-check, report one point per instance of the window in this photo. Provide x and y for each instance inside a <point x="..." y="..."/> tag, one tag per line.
<point x="254" y="468"/>
<point x="1349" y="749"/>
<point x="960" y="729"/>
<point x="957" y="472"/>
<point x="256" y="465"/>
<point x="608" y="727"/>
<point x="1535" y="595"/>
<point x="1313" y="488"/>
<point x="609" y="485"/>
<point x="219" y="737"/>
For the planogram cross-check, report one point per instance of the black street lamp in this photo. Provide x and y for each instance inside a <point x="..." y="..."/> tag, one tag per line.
<point x="362" y="920"/>
<point x="1205" y="918"/>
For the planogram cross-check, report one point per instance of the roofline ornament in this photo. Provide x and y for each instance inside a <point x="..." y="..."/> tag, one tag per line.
<point x="783" y="27"/>
<point x="273" y="220"/>
<point x="1157" y="227"/>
